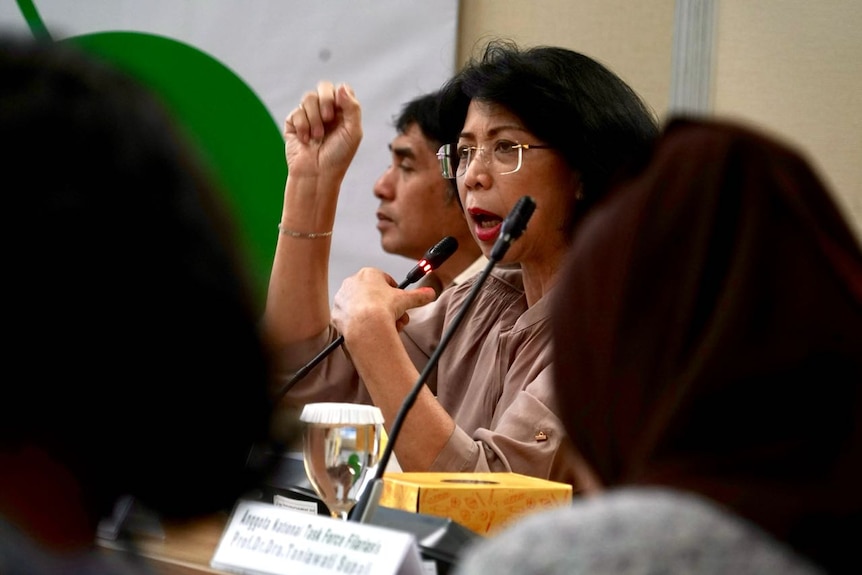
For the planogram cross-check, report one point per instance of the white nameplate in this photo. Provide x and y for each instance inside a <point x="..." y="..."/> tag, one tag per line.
<point x="261" y="538"/>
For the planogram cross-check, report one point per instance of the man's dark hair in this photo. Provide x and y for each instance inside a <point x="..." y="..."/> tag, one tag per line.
<point x="424" y="111"/>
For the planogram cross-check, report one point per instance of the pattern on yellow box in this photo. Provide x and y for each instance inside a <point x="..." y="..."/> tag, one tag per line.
<point x="483" y="502"/>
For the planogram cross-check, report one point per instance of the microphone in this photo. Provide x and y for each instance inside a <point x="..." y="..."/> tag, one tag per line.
<point x="511" y="229"/>
<point x="513" y="226"/>
<point x="433" y="259"/>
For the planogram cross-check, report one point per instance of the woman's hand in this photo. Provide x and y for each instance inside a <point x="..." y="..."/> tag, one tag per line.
<point x="322" y="134"/>
<point x="370" y="300"/>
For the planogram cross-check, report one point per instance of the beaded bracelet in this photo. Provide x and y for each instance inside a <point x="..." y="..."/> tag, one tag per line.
<point x="303" y="235"/>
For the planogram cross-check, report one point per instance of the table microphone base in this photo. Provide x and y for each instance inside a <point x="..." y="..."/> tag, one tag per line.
<point x="440" y="539"/>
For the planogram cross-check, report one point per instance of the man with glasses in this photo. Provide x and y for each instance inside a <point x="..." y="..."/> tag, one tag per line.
<point x="418" y="207"/>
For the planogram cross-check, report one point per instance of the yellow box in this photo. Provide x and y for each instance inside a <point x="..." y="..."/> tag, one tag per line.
<point x="483" y="502"/>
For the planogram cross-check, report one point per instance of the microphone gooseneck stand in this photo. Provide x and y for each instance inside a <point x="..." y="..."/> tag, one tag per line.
<point x="511" y="229"/>
<point x="433" y="259"/>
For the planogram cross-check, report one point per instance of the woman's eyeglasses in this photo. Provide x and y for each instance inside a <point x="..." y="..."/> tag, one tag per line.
<point x="505" y="157"/>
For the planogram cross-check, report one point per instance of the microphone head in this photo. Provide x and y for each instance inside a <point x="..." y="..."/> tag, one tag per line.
<point x="516" y="222"/>
<point x="433" y="259"/>
<point x="513" y="226"/>
<point x="440" y="252"/>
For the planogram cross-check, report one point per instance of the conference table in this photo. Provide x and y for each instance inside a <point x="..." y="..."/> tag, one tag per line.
<point x="180" y="548"/>
<point x="187" y="547"/>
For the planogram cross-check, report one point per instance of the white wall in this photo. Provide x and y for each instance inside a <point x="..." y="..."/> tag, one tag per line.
<point x="388" y="50"/>
<point x="792" y="67"/>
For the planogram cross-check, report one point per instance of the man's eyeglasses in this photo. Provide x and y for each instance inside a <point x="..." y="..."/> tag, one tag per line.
<point x="505" y="157"/>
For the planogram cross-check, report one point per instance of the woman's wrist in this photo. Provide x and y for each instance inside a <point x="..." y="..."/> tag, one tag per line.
<point x="285" y="231"/>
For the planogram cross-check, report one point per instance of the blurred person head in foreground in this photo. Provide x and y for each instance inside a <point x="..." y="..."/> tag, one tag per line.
<point x="128" y="314"/>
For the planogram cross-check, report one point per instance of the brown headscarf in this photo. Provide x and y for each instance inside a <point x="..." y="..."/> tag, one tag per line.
<point x="709" y="336"/>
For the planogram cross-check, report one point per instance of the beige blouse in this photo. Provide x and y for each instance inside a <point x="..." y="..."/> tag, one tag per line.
<point x="494" y="379"/>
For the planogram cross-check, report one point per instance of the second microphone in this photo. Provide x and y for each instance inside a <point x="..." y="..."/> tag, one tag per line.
<point x="433" y="259"/>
